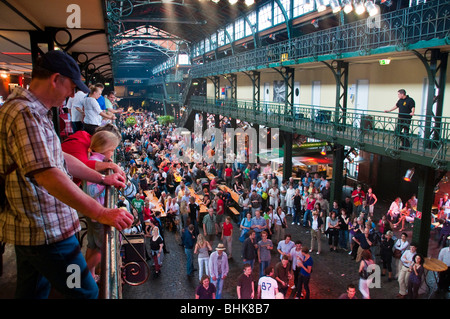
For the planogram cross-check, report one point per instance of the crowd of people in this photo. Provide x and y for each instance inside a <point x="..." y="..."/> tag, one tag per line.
<point x="40" y="168"/>
<point x="264" y="203"/>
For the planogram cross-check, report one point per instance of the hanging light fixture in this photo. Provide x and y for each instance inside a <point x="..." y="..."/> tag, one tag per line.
<point x="409" y="174"/>
<point x="320" y="5"/>
<point x="335" y="6"/>
<point x="371" y="8"/>
<point x="359" y="7"/>
<point x="308" y="4"/>
<point x="347" y="6"/>
<point x="323" y="151"/>
<point x="249" y="3"/>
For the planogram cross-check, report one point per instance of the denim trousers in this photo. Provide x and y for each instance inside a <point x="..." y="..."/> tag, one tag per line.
<point x="203" y="267"/>
<point x="306" y="218"/>
<point x="262" y="267"/>
<point x="218" y="283"/>
<point x="59" y="265"/>
<point x="189" y="260"/>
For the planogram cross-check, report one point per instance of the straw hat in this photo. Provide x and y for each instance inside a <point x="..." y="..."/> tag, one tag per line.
<point x="220" y="247"/>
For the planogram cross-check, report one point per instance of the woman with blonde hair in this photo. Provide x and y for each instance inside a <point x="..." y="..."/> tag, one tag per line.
<point x="101" y="148"/>
<point x="202" y="248"/>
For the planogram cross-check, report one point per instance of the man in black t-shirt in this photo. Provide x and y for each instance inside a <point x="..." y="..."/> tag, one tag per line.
<point x="406" y="108"/>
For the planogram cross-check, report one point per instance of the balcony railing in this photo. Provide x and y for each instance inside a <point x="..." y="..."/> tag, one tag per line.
<point x="416" y="27"/>
<point x="375" y="131"/>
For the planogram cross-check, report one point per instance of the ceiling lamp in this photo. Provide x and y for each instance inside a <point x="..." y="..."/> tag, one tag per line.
<point x="249" y="3"/>
<point x="371" y="8"/>
<point x="347" y="6"/>
<point x="320" y="5"/>
<point x="232" y="1"/>
<point x="308" y="4"/>
<point x="359" y="7"/>
<point x="323" y="151"/>
<point x="409" y="174"/>
<point x="335" y="6"/>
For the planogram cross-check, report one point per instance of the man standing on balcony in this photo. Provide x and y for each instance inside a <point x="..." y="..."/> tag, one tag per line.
<point x="406" y="107"/>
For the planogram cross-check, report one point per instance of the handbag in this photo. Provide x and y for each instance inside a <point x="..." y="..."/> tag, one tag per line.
<point x="364" y="274"/>
<point x="283" y="225"/>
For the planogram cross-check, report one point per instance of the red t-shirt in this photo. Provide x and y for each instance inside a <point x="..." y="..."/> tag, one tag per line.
<point x="227" y="228"/>
<point x="228" y="171"/>
<point x="78" y="145"/>
<point x="220" y="203"/>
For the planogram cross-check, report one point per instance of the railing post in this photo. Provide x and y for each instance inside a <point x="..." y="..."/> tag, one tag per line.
<point x="110" y="272"/>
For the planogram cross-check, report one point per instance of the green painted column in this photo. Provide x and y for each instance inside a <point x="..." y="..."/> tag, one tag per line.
<point x="338" y="178"/>
<point x="287" y="161"/>
<point x="425" y="198"/>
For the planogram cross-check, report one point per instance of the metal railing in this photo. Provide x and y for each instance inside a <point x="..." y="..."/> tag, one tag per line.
<point x="428" y="136"/>
<point x="410" y="28"/>
<point x="112" y="269"/>
<point x="110" y="281"/>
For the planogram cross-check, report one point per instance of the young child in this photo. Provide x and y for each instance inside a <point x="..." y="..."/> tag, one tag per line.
<point x="102" y="148"/>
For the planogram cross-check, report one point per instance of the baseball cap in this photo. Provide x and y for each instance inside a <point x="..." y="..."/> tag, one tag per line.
<point x="60" y="62"/>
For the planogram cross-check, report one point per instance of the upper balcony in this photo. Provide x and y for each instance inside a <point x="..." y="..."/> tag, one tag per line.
<point x="414" y="28"/>
<point x="372" y="131"/>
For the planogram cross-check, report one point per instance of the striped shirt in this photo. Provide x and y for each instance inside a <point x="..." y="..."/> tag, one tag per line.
<point x="28" y="141"/>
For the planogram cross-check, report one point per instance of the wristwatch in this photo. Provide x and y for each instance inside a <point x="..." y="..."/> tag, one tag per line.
<point x="103" y="180"/>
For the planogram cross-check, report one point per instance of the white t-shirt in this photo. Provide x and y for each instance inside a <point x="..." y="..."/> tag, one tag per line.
<point x="268" y="286"/>
<point x="92" y="111"/>
<point x="278" y="220"/>
<point x="74" y="102"/>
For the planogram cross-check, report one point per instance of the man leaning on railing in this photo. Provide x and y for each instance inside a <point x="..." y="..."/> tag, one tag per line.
<point x="39" y="215"/>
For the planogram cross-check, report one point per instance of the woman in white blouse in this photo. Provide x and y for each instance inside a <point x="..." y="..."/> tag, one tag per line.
<point x="93" y="114"/>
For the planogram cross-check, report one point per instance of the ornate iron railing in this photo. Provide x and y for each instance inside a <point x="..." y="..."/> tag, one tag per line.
<point x="375" y="131"/>
<point x="421" y="26"/>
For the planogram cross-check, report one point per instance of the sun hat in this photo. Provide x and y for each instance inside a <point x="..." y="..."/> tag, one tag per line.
<point x="220" y="247"/>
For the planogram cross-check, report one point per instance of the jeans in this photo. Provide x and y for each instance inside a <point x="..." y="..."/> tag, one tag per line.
<point x="203" y="267"/>
<point x="60" y="265"/>
<point x="291" y="210"/>
<point x="343" y="238"/>
<point x="306" y="218"/>
<point x="219" y="286"/>
<point x="189" y="260"/>
<point x="262" y="267"/>
<point x="296" y="218"/>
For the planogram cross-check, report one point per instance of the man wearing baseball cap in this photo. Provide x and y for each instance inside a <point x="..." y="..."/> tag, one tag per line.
<point x="38" y="213"/>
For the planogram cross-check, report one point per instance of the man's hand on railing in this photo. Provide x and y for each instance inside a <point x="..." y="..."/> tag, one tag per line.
<point x="116" y="179"/>
<point x="116" y="217"/>
<point x="117" y="169"/>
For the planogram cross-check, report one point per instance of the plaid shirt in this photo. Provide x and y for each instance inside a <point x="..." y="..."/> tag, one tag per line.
<point x="29" y="141"/>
